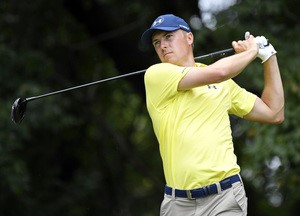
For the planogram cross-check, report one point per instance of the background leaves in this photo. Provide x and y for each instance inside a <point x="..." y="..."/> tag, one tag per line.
<point x="92" y="151"/>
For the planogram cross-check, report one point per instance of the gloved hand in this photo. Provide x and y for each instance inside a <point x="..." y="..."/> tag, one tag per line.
<point x="266" y="50"/>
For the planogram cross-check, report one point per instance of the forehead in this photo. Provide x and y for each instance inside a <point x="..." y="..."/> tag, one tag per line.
<point x="159" y="33"/>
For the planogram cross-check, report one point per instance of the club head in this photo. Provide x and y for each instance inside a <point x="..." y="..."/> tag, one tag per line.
<point x="18" y="110"/>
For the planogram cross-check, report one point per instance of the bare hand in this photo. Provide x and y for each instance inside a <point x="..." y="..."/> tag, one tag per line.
<point x="244" y="45"/>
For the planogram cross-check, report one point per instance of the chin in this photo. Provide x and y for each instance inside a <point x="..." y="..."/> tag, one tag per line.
<point x="170" y="60"/>
<point x="174" y="62"/>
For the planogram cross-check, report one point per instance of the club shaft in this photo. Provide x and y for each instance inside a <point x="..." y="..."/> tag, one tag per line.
<point x="217" y="54"/>
<point x="85" y="85"/>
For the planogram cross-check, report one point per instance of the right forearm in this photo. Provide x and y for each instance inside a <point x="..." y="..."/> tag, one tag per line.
<point x="219" y="71"/>
<point x="222" y="69"/>
<point x="233" y="65"/>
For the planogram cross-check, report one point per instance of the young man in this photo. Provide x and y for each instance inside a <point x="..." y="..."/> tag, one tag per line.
<point x="189" y="104"/>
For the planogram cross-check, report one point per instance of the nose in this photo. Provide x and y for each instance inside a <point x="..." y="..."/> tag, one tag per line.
<point x="163" y="44"/>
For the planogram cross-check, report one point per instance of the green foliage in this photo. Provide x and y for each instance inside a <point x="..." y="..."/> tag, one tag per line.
<point x="92" y="151"/>
<point x="266" y="143"/>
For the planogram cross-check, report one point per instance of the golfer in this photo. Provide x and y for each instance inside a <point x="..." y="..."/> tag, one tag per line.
<point x="189" y="104"/>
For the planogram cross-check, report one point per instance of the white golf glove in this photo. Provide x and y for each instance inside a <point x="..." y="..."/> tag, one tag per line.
<point x="266" y="50"/>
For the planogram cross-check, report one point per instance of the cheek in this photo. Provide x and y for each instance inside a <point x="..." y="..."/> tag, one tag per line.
<point x="157" y="51"/>
<point x="181" y="49"/>
<point x="159" y="54"/>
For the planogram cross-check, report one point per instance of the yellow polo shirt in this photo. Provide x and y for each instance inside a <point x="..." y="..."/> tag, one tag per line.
<point x="193" y="127"/>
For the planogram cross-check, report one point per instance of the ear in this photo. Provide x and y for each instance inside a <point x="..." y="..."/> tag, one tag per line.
<point x="190" y="38"/>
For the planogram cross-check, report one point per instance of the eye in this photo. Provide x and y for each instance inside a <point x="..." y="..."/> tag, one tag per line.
<point x="155" y="43"/>
<point x="168" y="36"/>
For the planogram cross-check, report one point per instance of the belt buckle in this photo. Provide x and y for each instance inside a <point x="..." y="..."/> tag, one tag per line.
<point x="189" y="195"/>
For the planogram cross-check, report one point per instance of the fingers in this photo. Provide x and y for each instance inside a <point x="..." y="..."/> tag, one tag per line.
<point x="237" y="43"/>
<point x="261" y="41"/>
<point x="248" y="43"/>
<point x="247" y="35"/>
<point x="243" y="45"/>
<point x="238" y="46"/>
<point x="234" y="44"/>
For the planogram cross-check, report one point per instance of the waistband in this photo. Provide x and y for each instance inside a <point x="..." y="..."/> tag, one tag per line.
<point x="206" y="190"/>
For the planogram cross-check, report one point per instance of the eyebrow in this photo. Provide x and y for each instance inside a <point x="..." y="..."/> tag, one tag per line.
<point x="164" y="34"/>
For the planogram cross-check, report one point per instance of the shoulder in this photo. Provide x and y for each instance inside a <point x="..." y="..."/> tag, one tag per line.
<point x="200" y="64"/>
<point x="162" y="67"/>
<point x="169" y="67"/>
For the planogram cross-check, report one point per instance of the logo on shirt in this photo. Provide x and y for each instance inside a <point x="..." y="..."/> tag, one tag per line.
<point x="212" y="87"/>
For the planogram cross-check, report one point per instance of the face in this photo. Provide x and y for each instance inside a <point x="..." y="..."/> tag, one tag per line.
<point x="174" y="47"/>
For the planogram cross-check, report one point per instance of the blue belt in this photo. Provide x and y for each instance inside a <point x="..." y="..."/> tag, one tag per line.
<point x="205" y="191"/>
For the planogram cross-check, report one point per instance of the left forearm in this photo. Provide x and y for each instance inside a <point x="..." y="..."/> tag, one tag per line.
<point x="273" y="94"/>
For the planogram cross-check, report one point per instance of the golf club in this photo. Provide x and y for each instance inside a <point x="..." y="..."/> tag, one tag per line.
<point x="20" y="104"/>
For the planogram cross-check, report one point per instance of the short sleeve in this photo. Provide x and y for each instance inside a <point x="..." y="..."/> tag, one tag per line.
<point x="161" y="83"/>
<point x="242" y="101"/>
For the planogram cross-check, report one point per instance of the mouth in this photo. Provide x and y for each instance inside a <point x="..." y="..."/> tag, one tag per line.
<point x="167" y="55"/>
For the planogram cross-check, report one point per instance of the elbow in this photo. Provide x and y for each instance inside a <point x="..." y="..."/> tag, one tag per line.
<point x="278" y="121"/>
<point x="279" y="118"/>
<point x="219" y="73"/>
<point x="222" y="75"/>
<point x="273" y="121"/>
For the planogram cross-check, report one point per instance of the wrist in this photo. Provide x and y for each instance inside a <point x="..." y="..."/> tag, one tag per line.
<point x="253" y="52"/>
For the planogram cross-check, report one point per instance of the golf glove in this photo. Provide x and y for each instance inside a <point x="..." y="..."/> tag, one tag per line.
<point x="266" y="50"/>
